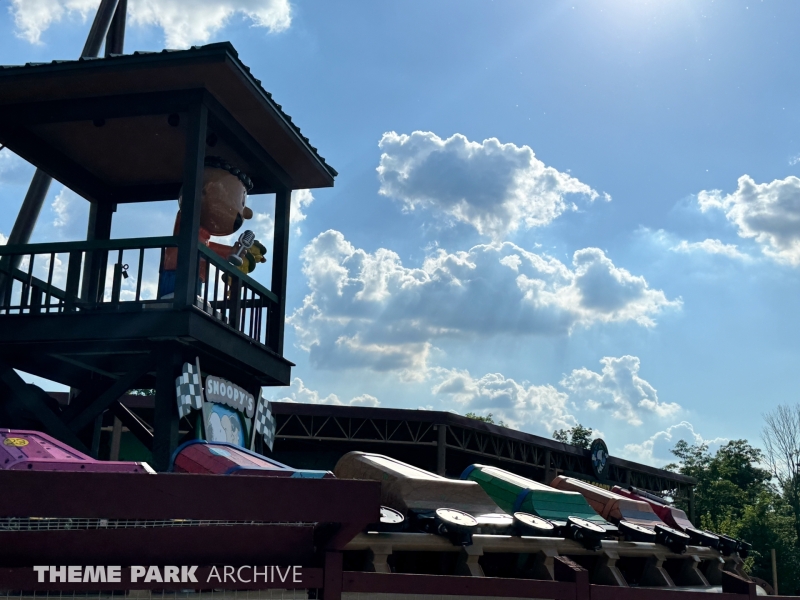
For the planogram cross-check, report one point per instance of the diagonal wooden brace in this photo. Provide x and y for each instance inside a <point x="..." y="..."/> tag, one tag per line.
<point x="29" y="400"/>
<point x="113" y="393"/>
<point x="134" y="425"/>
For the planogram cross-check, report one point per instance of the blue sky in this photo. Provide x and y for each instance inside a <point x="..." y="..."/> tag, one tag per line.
<point x="557" y="212"/>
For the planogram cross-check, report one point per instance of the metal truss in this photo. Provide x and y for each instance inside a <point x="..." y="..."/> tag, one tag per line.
<point x="347" y="426"/>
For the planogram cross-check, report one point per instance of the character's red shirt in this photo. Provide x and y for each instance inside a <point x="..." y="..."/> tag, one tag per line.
<point x="171" y="254"/>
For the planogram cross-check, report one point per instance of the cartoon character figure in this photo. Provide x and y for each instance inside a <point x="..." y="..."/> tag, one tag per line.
<point x="222" y="213"/>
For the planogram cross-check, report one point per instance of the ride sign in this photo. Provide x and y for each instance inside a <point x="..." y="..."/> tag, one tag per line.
<point x="599" y="452"/>
<point x="222" y="391"/>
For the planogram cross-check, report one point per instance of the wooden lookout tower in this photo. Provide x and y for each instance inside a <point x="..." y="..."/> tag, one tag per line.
<point x="139" y="128"/>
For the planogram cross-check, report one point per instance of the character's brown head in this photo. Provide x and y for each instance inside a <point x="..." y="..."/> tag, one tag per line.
<point x="224" y="195"/>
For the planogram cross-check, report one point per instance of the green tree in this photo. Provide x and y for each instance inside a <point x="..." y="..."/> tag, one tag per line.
<point x="578" y="435"/>
<point x="142" y="392"/>
<point x="489" y="418"/>
<point x="735" y="495"/>
<point x="727" y="481"/>
<point x="781" y="437"/>
<point x="768" y="523"/>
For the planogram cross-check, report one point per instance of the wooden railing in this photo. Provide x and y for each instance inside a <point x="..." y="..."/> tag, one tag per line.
<point x="73" y="276"/>
<point x="237" y="299"/>
<point x="124" y="275"/>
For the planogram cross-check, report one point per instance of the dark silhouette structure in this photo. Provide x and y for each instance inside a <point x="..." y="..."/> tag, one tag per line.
<point x="137" y="128"/>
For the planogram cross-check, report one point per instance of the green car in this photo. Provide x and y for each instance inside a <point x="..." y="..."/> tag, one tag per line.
<point x="514" y="493"/>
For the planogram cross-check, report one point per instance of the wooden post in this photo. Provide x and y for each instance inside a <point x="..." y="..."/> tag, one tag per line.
<point x="165" y="415"/>
<point x="191" y="200"/>
<point x="691" y="506"/>
<point x="549" y="473"/>
<point x="280" y="259"/>
<point x="774" y="571"/>
<point x="116" y="438"/>
<point x="97" y="430"/>
<point x="332" y="576"/>
<point x="94" y="268"/>
<point x="73" y="284"/>
<point x="441" y="450"/>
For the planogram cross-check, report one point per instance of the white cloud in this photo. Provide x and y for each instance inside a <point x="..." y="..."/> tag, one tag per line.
<point x="540" y="408"/>
<point x="298" y="392"/>
<point x="769" y="213"/>
<point x="364" y="400"/>
<point x="494" y="187"/>
<point x="33" y="17"/>
<point x="794" y="160"/>
<point x="14" y="170"/>
<point x="656" y="449"/>
<point x="263" y="221"/>
<point x="70" y="214"/>
<point x="620" y="389"/>
<point x="63" y="206"/>
<point x="711" y="246"/>
<point x="301" y="199"/>
<point x="368" y="309"/>
<point x="3" y="240"/>
<point x="183" y="24"/>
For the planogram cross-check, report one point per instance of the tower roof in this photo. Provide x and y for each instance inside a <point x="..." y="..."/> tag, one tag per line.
<point x="113" y="129"/>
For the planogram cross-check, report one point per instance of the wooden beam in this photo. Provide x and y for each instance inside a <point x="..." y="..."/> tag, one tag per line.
<point x="24" y="395"/>
<point x="119" y="106"/>
<point x="187" y="269"/>
<point x="119" y="388"/>
<point x="134" y="425"/>
<point x="165" y="413"/>
<point x="228" y="128"/>
<point x="36" y="151"/>
<point x="280" y="261"/>
<point x="146" y="192"/>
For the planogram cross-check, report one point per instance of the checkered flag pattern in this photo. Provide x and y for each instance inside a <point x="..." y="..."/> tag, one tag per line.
<point x="264" y="422"/>
<point x="189" y="389"/>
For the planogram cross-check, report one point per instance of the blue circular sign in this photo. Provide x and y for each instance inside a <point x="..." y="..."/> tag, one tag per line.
<point x="599" y="452"/>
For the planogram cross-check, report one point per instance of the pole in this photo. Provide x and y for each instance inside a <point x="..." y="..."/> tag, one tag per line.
<point x="441" y="450"/>
<point x="102" y="19"/>
<point x="774" y="571"/>
<point x="115" y="38"/>
<point x="40" y="184"/>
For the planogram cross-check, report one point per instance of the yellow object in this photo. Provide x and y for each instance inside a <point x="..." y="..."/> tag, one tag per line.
<point x="14" y="441"/>
<point x="256" y="254"/>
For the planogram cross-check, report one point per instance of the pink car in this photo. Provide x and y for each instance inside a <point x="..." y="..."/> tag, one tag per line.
<point x="674" y="517"/>
<point x="22" y="450"/>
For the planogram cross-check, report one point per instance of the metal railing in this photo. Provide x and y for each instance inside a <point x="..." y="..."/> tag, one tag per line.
<point x="82" y="523"/>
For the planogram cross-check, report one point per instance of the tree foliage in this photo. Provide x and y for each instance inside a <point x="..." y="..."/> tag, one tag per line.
<point x="489" y="418"/>
<point x="781" y="437"/>
<point x="578" y="435"/>
<point x="736" y="496"/>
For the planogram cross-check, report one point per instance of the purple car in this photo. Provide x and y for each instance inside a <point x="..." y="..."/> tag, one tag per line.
<point x="22" y="450"/>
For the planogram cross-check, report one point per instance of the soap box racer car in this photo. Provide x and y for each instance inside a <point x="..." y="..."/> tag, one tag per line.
<point x="433" y="503"/>
<point x="514" y="493"/>
<point x="199" y="456"/>
<point x="609" y="505"/>
<point x="21" y="449"/>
